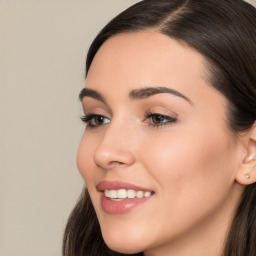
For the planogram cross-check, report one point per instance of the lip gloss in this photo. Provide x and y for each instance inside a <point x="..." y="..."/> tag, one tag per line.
<point x="119" y="206"/>
<point x="123" y="206"/>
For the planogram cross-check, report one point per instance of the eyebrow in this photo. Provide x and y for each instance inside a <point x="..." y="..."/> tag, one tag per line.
<point x="92" y="94"/>
<point x="136" y="94"/>
<point x="150" y="91"/>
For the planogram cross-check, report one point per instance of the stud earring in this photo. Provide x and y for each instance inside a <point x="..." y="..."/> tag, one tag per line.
<point x="247" y="176"/>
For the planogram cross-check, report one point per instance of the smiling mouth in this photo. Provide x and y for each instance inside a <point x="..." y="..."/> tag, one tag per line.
<point x="118" y="197"/>
<point x="123" y="194"/>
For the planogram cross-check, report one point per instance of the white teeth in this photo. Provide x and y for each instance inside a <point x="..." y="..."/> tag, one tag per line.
<point x="112" y="193"/>
<point x="121" y="193"/>
<point x="131" y="193"/>
<point x="139" y="194"/>
<point x="107" y="193"/>
<point x="118" y="195"/>
<point x="147" y="194"/>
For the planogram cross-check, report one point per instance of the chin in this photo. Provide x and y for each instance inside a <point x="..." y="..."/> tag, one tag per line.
<point x="124" y="243"/>
<point x="125" y="247"/>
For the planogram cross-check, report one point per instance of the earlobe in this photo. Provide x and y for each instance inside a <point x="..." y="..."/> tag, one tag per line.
<point x="246" y="174"/>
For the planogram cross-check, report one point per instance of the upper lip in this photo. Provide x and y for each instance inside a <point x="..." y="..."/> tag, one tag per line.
<point x="115" y="185"/>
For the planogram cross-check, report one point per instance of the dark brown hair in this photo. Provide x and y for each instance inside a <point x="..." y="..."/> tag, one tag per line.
<point x="224" y="32"/>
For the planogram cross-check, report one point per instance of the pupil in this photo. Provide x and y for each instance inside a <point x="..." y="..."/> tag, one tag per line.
<point x="99" y="120"/>
<point x="158" y="119"/>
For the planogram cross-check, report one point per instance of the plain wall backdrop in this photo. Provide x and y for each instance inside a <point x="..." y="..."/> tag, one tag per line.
<point x="42" y="59"/>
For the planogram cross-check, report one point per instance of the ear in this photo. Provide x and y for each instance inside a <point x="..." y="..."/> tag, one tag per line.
<point x="246" y="174"/>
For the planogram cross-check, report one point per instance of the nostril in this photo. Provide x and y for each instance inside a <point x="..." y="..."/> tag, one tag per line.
<point x="110" y="164"/>
<point x="114" y="163"/>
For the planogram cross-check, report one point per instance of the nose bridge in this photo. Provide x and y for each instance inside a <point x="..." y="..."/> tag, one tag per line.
<point x="115" y="146"/>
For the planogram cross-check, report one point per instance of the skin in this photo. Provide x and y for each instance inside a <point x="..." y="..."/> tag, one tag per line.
<point x="192" y="164"/>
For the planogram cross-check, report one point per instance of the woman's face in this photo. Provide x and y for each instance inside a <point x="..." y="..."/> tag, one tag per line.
<point x="155" y="125"/>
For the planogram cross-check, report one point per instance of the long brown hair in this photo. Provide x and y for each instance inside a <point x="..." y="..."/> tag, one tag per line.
<point x="224" y="32"/>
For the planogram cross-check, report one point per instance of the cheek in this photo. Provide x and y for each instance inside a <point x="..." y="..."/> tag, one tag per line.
<point x="87" y="167"/>
<point x="85" y="159"/>
<point x="185" y="155"/>
<point x="192" y="173"/>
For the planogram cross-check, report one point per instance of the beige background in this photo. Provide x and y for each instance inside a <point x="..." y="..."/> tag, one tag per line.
<point x="42" y="53"/>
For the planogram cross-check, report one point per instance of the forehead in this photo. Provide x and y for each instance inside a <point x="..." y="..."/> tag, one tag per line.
<point x="138" y="58"/>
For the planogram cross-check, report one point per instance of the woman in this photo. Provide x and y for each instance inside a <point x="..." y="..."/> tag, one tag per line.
<point x="169" y="150"/>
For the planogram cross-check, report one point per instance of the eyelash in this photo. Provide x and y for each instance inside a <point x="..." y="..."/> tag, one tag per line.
<point x="88" y="119"/>
<point x="165" y="119"/>
<point x="162" y="119"/>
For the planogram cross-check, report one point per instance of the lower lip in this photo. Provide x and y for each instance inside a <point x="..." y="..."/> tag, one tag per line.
<point x="119" y="207"/>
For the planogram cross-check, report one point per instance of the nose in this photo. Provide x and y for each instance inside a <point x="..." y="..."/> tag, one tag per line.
<point x="115" y="148"/>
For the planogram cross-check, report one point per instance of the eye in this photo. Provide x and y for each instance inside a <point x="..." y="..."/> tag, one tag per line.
<point x="94" y="120"/>
<point x="156" y="119"/>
